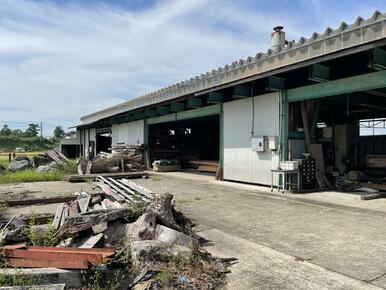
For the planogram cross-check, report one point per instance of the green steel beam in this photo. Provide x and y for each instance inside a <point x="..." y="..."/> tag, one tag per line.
<point x="200" y="112"/>
<point x="162" y="119"/>
<point x="275" y="84"/>
<point x="194" y="103"/>
<point x="190" y="114"/>
<point x="215" y="98"/>
<point x="139" y="115"/>
<point x="162" y="110"/>
<point x="378" y="59"/>
<point x="177" y="107"/>
<point x="358" y="83"/>
<point x="150" y="113"/>
<point x="241" y="92"/>
<point x="319" y="73"/>
<point x="128" y="118"/>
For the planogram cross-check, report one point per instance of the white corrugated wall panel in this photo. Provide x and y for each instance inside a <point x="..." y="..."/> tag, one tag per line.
<point x="240" y="162"/>
<point x="131" y="133"/>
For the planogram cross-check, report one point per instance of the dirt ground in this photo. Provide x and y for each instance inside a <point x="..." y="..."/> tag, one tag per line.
<point x="326" y="240"/>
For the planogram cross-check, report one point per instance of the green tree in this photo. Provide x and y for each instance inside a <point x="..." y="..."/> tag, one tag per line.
<point x="59" y="132"/>
<point x="17" y="132"/>
<point x="5" y="131"/>
<point x="32" y="130"/>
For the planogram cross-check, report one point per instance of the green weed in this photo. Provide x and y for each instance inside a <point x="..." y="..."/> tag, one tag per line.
<point x="41" y="238"/>
<point x="18" y="279"/>
<point x="165" y="276"/>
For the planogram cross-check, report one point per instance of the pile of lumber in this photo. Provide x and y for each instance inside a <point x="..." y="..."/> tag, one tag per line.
<point x="126" y="221"/>
<point x="128" y="160"/>
<point x="124" y="190"/>
<point x="376" y="161"/>
<point x="206" y="165"/>
<point x="56" y="156"/>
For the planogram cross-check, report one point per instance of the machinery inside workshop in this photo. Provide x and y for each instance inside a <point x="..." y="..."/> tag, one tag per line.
<point x="347" y="139"/>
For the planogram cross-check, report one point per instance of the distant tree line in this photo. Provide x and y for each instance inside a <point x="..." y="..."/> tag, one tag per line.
<point x="33" y="130"/>
<point x="29" y="139"/>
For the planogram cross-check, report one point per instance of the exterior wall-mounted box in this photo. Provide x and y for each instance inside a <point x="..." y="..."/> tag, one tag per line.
<point x="273" y="143"/>
<point x="259" y="143"/>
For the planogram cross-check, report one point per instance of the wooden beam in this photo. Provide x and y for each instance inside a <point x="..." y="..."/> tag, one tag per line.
<point x="177" y="107"/>
<point x="275" y="84"/>
<point x="215" y="98"/>
<point x="241" y="92"/>
<point x="194" y="103"/>
<point x="358" y="83"/>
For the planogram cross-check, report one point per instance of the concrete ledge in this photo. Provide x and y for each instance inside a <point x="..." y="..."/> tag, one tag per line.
<point x="71" y="278"/>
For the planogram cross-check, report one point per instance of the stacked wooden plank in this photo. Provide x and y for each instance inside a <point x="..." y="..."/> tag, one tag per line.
<point x="124" y="190"/>
<point x="206" y="165"/>
<point x="65" y="258"/>
<point x="57" y="156"/>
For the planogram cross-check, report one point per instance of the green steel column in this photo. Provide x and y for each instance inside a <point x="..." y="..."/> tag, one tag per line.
<point x="145" y="132"/>
<point x="284" y="126"/>
<point x="221" y="173"/>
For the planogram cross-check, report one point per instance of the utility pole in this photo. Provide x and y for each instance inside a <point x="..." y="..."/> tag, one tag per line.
<point x="41" y="129"/>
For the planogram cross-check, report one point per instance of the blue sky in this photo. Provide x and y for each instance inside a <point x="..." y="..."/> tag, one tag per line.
<point x="60" y="60"/>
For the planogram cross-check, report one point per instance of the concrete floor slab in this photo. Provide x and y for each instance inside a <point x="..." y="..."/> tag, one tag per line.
<point x="341" y="238"/>
<point x="344" y="239"/>
<point x="261" y="267"/>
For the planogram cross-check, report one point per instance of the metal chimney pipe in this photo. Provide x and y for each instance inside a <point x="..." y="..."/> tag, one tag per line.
<point x="277" y="38"/>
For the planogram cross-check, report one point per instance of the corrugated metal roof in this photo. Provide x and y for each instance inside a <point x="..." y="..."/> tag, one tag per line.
<point x="362" y="31"/>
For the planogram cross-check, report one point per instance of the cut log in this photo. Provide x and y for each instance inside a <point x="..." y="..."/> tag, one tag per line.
<point x="74" y="225"/>
<point x="161" y="207"/>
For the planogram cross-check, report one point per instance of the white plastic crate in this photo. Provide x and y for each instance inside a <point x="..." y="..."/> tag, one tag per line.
<point x="289" y="165"/>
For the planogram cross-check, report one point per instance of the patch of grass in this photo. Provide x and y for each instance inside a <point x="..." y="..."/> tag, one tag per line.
<point x="41" y="238"/>
<point x="4" y="161"/>
<point x="138" y="206"/>
<point x="68" y="168"/>
<point x="98" y="281"/>
<point x="166" y="276"/>
<point x="30" y="175"/>
<point x="18" y="279"/>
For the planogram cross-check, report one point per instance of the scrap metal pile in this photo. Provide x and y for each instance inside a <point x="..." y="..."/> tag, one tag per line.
<point x="126" y="227"/>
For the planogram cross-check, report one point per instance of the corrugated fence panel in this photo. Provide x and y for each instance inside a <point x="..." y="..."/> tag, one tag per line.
<point x="240" y="162"/>
<point x="128" y="133"/>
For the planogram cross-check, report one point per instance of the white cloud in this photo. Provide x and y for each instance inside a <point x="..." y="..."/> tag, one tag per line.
<point x="59" y="62"/>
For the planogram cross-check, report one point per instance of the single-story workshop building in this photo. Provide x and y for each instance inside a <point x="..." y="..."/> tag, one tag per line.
<point x="328" y="89"/>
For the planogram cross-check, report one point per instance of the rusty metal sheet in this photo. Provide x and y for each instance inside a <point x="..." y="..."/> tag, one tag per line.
<point x="105" y="252"/>
<point x="54" y="256"/>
